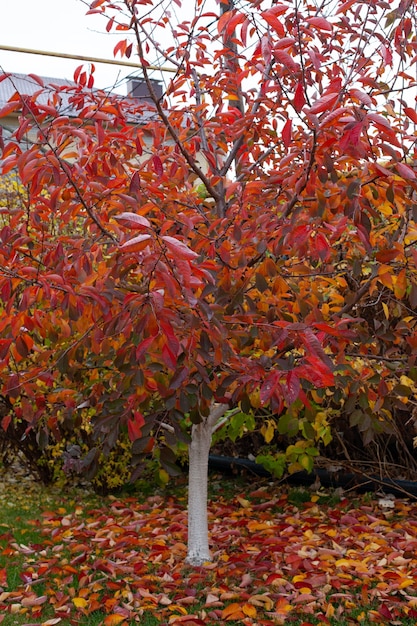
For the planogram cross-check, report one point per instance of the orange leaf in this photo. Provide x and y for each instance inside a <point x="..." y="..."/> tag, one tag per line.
<point x="400" y="285"/>
<point x="113" y="620"/>
<point x="283" y="606"/>
<point x="233" y="611"/>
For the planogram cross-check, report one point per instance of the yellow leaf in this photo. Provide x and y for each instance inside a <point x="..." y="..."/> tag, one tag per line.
<point x="262" y="600"/>
<point x="178" y="608"/>
<point x="406" y="381"/>
<point x="299" y="577"/>
<point x="249" y="610"/>
<point x="80" y="603"/>
<point x="163" y="476"/>
<point x="385" y="208"/>
<point x="330" y="611"/>
<point x="386" y="311"/>
<point x="268" y="430"/>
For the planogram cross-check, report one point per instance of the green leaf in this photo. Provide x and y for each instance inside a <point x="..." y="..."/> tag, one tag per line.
<point x="288" y="425"/>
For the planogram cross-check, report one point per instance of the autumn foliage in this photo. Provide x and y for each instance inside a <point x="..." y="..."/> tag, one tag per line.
<point x="249" y="239"/>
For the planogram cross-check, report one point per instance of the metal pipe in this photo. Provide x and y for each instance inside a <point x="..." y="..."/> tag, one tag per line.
<point x="78" y="57"/>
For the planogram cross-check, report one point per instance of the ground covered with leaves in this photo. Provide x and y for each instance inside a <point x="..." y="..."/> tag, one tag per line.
<point x="295" y="556"/>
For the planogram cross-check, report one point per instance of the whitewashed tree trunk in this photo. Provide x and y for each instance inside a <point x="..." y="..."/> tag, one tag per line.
<point x="198" y="543"/>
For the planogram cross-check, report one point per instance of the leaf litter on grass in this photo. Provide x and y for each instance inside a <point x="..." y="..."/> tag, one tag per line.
<point x="123" y="562"/>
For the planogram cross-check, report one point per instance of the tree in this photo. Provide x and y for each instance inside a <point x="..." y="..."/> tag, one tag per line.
<point x="176" y="266"/>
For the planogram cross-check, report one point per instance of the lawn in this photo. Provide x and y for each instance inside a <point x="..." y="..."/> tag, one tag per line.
<point x="280" y="556"/>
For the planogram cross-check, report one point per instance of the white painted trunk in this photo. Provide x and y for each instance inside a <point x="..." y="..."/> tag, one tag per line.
<point x="198" y="542"/>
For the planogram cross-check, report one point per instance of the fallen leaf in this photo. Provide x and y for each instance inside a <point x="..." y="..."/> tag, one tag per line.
<point x="113" y="620"/>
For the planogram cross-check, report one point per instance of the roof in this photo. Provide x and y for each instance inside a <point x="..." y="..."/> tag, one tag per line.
<point x="26" y="84"/>
<point x="29" y="84"/>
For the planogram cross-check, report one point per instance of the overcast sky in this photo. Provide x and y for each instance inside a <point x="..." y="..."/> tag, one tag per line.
<point x="59" y="26"/>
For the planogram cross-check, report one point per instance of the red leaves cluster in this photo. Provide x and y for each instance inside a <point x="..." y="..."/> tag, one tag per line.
<point x="183" y="245"/>
<point x="273" y="562"/>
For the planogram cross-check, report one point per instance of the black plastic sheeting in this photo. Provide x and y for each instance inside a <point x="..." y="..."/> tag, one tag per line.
<point x="357" y="482"/>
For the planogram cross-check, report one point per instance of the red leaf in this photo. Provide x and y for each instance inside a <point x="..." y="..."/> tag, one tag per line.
<point x="223" y="20"/>
<point x="78" y="74"/>
<point x="286" y="60"/>
<point x="134" y="426"/>
<point x="139" y="149"/>
<point x="386" y="54"/>
<point x="291" y="389"/>
<point x="299" y="98"/>
<point x="314" y="347"/>
<point x="109" y="24"/>
<point x="233" y="21"/>
<point x="24" y="344"/>
<point x="143" y="347"/>
<point x="345" y="6"/>
<point x="172" y="341"/>
<point x="178" y="249"/>
<point x="9" y="108"/>
<point x="169" y="357"/>
<point x="383" y="125"/>
<point x="269" y="387"/>
<point x="322" y="246"/>
<point x="287" y="133"/>
<point x="133" y="220"/>
<point x="351" y="137"/>
<point x="37" y="78"/>
<point x="120" y="47"/>
<point x="361" y="96"/>
<point x="316" y="372"/>
<point x="157" y="164"/>
<point x="385" y="612"/>
<point x="270" y="17"/>
<point x="324" y="103"/>
<point x="266" y="48"/>
<point x="405" y="171"/>
<point x="387" y="255"/>
<point x="320" y="22"/>
<point x="179" y="377"/>
<point x="136" y="244"/>
<point x="411" y="113"/>
<point x="5" y="423"/>
<point x="4" y="345"/>
<point x="244" y="31"/>
<point x="134" y="186"/>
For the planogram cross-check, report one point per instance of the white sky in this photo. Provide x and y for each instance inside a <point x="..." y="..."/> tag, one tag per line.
<point x="58" y="26"/>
